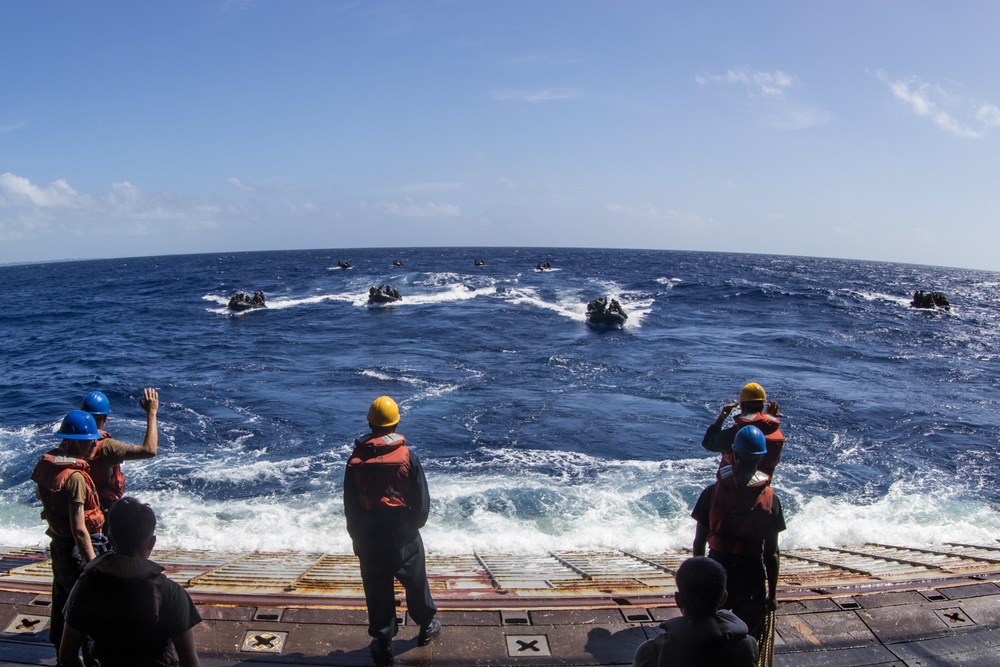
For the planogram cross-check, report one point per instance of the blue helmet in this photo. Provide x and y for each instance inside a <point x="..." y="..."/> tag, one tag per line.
<point x="96" y="403"/>
<point x="750" y="440"/>
<point x="78" y="425"/>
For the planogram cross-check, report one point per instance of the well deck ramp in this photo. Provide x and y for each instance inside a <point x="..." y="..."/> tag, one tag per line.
<point x="870" y="604"/>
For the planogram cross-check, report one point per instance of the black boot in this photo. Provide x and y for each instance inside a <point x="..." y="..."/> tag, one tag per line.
<point x="381" y="652"/>
<point x="428" y="631"/>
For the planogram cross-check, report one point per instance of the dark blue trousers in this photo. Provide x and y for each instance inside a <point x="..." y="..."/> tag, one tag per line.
<point x="380" y="565"/>
<point x="746" y="586"/>
<point x="67" y="566"/>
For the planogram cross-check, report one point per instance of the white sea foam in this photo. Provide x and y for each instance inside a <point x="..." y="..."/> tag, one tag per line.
<point x="289" y="302"/>
<point x="574" y="306"/>
<point x="378" y="375"/>
<point x="425" y="388"/>
<point x="306" y="523"/>
<point x="523" y="502"/>
<point x="528" y="296"/>
<point x="452" y="293"/>
<point x="879" y="296"/>
<point x="277" y="303"/>
<point x="900" y="517"/>
<point x="630" y="508"/>
<point x="252" y="471"/>
<point x="493" y="499"/>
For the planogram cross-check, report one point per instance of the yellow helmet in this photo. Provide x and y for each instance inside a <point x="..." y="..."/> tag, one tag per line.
<point x="383" y="412"/>
<point x="752" y="392"/>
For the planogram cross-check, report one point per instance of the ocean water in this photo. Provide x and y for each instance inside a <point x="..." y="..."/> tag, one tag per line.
<point x="536" y="431"/>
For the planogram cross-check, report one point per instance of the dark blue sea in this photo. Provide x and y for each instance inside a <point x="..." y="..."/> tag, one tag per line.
<point x="536" y="430"/>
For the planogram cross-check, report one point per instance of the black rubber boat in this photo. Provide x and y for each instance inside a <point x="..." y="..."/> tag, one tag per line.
<point x="602" y="314"/>
<point x="241" y="302"/>
<point x="383" y="294"/>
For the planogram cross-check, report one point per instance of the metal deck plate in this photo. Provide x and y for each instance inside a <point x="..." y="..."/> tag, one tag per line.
<point x="868" y="604"/>
<point x="276" y="572"/>
<point x="877" y="567"/>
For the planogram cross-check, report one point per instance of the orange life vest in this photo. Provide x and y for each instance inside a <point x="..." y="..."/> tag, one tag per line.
<point x="735" y="516"/>
<point x="770" y="426"/>
<point x="110" y="483"/>
<point x="381" y="469"/>
<point x="51" y="474"/>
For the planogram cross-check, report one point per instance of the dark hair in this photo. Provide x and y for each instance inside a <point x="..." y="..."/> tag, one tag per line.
<point x="130" y="525"/>
<point x="700" y="585"/>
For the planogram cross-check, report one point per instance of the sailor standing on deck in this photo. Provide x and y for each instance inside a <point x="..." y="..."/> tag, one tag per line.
<point x="739" y="518"/>
<point x="71" y="508"/>
<point x="105" y="465"/>
<point x="386" y="503"/>
<point x="755" y="410"/>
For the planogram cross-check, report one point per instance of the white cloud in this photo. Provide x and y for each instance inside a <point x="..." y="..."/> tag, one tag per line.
<point x="649" y="212"/>
<point x="988" y="115"/>
<point x="27" y="208"/>
<point x="757" y="83"/>
<point x="302" y="208"/>
<point x="124" y="195"/>
<point x="431" y="187"/>
<point x="797" y="117"/>
<point x="646" y="211"/>
<point x="10" y="127"/>
<point x="412" y="209"/>
<point x="534" y="96"/>
<point x="769" y="95"/>
<point x="239" y="185"/>
<point x="17" y="191"/>
<point x="954" y="114"/>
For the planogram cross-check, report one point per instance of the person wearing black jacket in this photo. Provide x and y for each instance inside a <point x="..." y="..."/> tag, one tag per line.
<point x="386" y="503"/>
<point x="136" y="616"/>
<point x="703" y="635"/>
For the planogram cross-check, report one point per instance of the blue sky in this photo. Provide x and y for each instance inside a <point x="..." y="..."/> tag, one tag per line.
<point x="855" y="129"/>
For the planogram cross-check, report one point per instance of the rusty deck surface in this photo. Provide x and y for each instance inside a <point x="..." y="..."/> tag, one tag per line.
<point x="873" y="604"/>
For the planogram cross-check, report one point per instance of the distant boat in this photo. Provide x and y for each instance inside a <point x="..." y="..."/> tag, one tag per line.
<point x="544" y="266"/>
<point x="922" y="299"/>
<point x="601" y="313"/>
<point x="241" y="301"/>
<point x="397" y="262"/>
<point x="343" y="264"/>
<point x="480" y="262"/>
<point x="383" y="294"/>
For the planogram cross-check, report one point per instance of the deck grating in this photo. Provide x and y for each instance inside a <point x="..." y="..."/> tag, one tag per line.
<point x="567" y="573"/>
